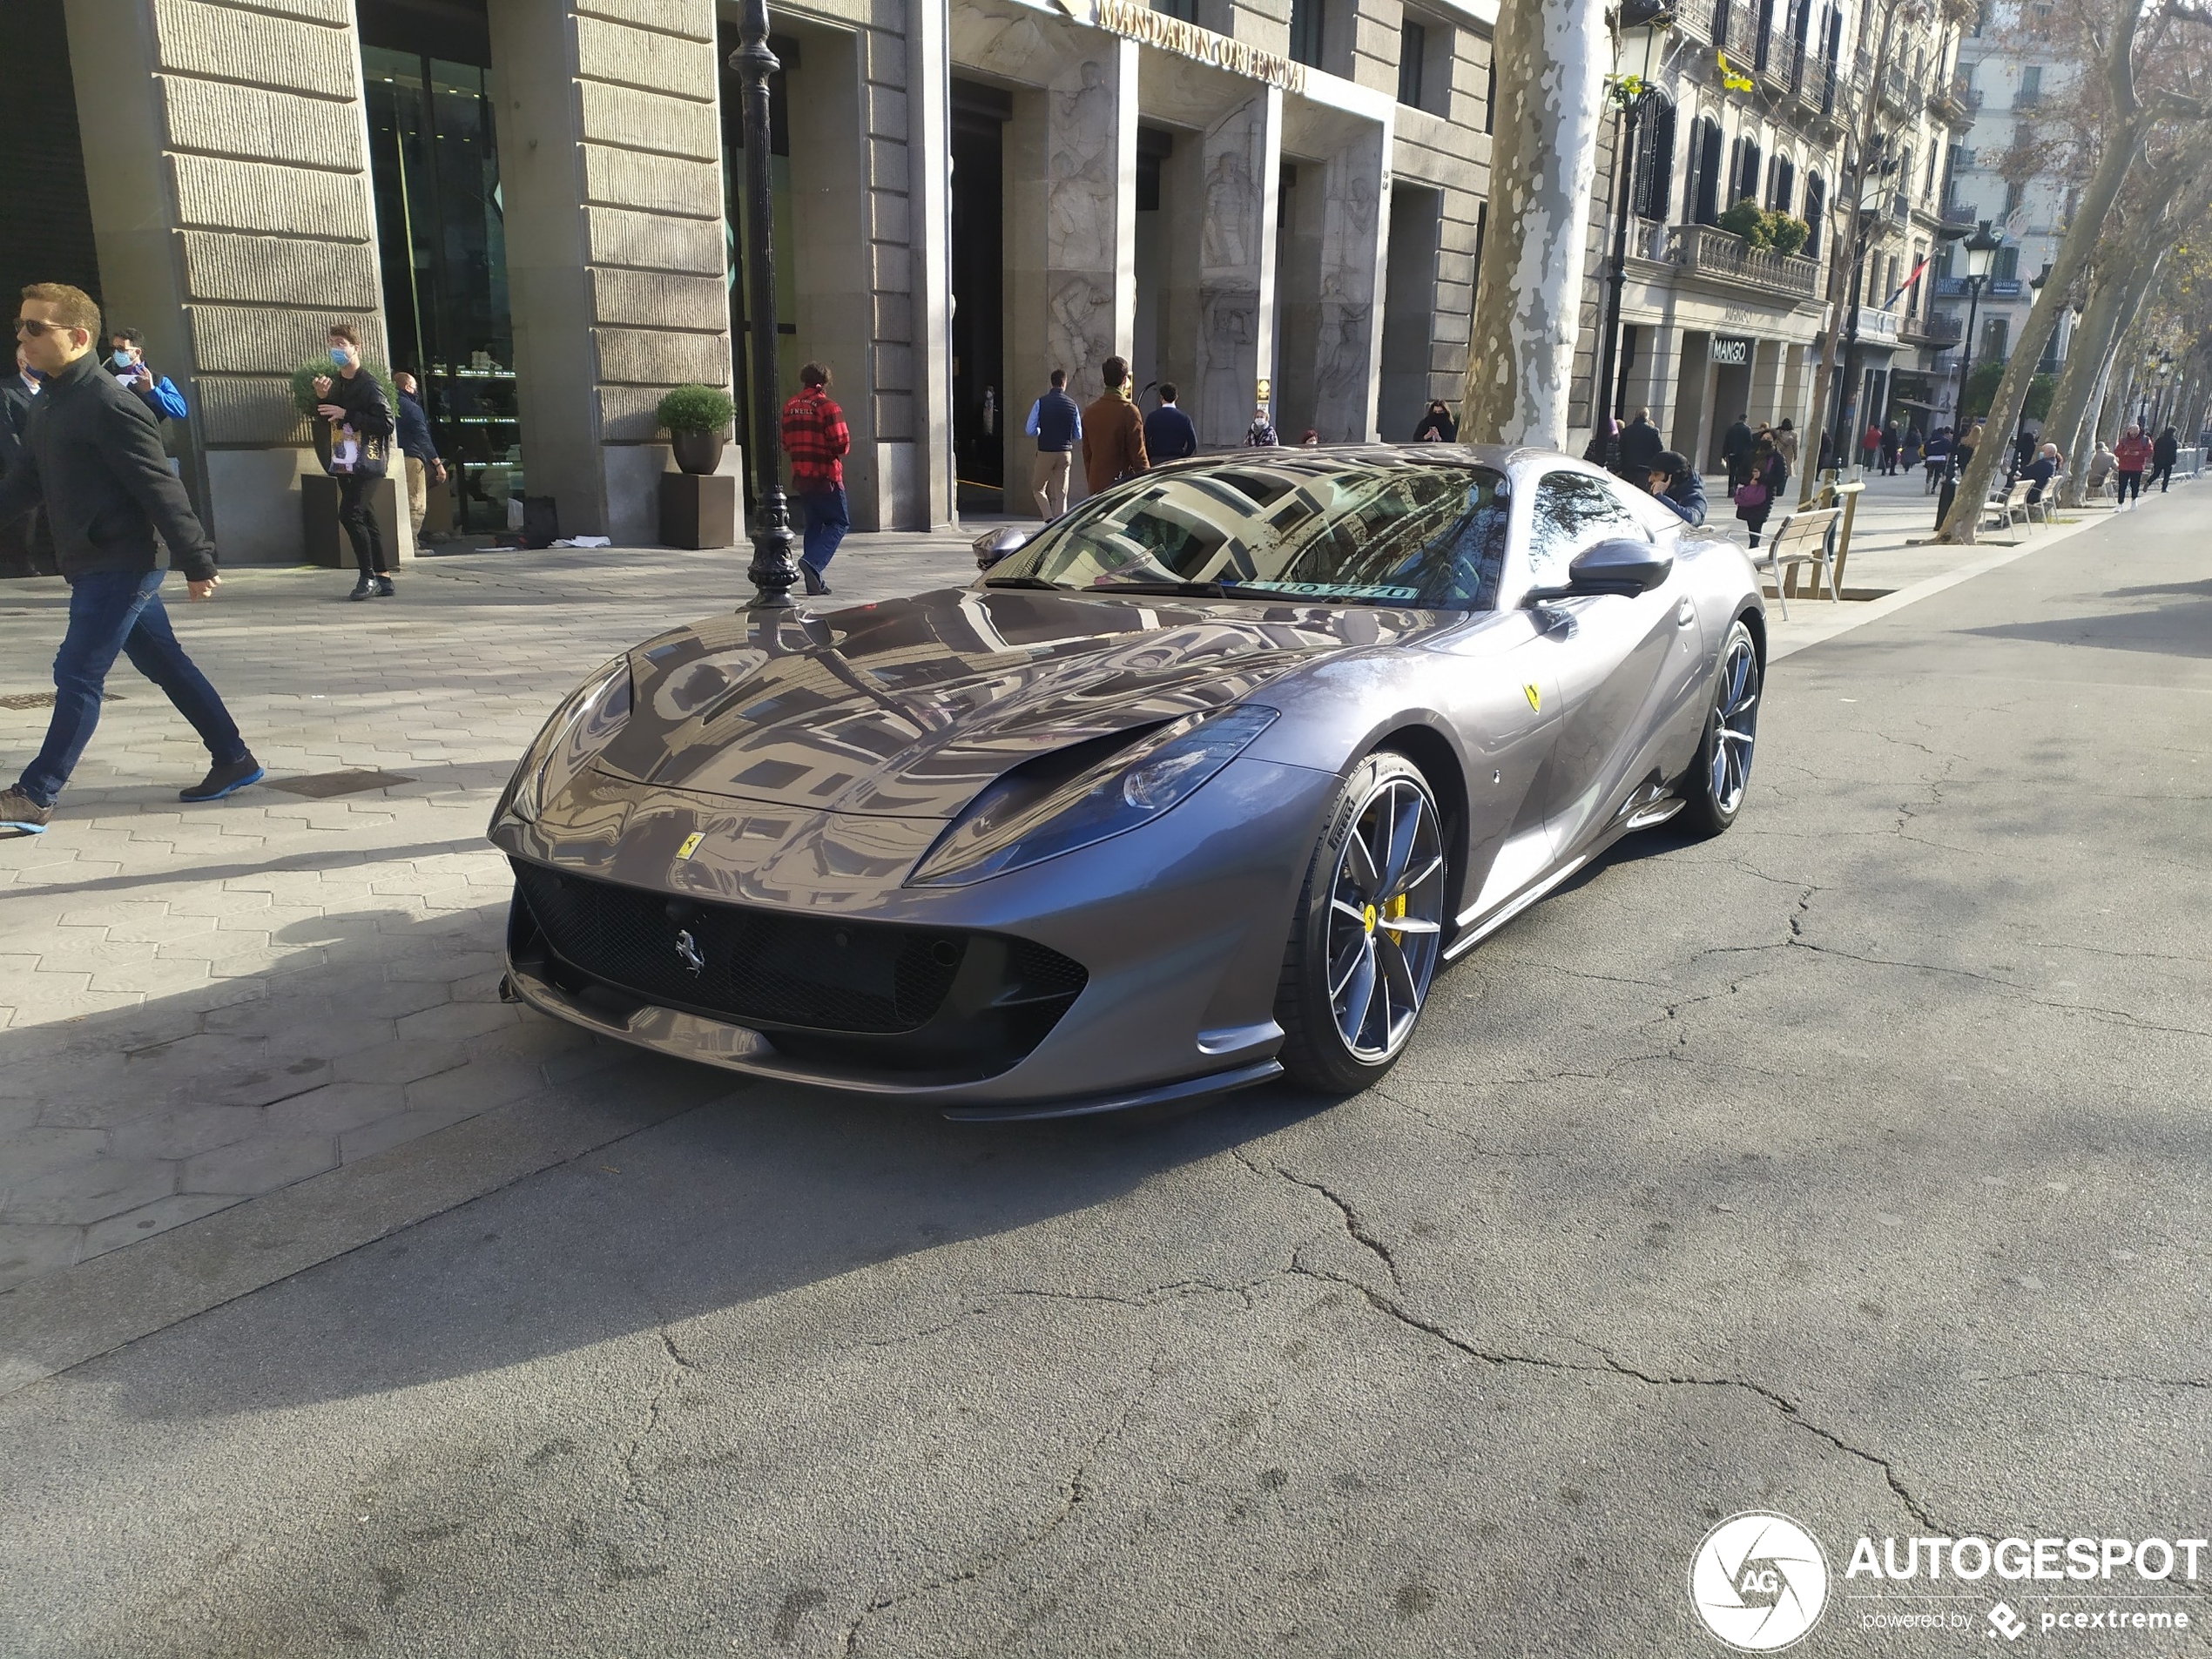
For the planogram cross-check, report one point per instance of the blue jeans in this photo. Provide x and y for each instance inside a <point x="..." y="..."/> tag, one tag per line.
<point x="115" y="613"/>
<point x="827" y="521"/>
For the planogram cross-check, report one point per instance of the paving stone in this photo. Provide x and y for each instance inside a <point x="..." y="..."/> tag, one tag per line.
<point x="159" y="1217"/>
<point x="336" y="1107"/>
<point x="259" y="1166"/>
<point x="397" y="1131"/>
<point x="180" y="1134"/>
<point x="456" y="1020"/>
<point x="26" y="1250"/>
<point x="89" y="1192"/>
<point x="398" y="1062"/>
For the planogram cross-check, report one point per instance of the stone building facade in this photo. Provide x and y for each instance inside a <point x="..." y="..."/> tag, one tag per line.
<point x="1714" y="328"/>
<point x="533" y="204"/>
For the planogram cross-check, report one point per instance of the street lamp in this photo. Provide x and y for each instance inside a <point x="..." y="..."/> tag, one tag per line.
<point x="2020" y="430"/>
<point x="772" y="571"/>
<point x="1872" y="183"/>
<point x="1632" y="94"/>
<point x="1981" y="251"/>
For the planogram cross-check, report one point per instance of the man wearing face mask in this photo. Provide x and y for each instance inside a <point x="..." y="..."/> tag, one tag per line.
<point x="25" y="549"/>
<point x="127" y="362"/>
<point x="353" y="402"/>
<point x="92" y="455"/>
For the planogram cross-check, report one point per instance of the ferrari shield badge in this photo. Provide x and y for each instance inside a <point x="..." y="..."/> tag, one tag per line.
<point x="691" y="841"/>
<point x="1535" y="696"/>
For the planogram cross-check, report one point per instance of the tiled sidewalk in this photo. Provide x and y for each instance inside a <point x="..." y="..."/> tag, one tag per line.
<point x="202" y="1004"/>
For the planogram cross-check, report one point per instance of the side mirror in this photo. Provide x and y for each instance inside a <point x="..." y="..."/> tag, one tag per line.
<point x="1619" y="566"/>
<point x="994" y="545"/>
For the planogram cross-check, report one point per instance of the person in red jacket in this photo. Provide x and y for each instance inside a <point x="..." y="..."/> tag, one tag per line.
<point x="817" y="440"/>
<point x="2130" y="455"/>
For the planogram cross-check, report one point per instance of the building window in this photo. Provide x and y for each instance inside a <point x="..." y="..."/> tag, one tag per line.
<point x="1996" y="339"/>
<point x="2007" y="266"/>
<point x="1306" y="20"/>
<point x="1700" y="198"/>
<point x="1654" y="177"/>
<point x="2031" y="92"/>
<point x="1490" y="91"/>
<point x="1186" y="10"/>
<point x="1412" y="46"/>
<point x="1816" y="205"/>
<point x="1781" y="185"/>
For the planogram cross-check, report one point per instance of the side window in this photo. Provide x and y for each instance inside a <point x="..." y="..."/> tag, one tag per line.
<point x="1572" y="510"/>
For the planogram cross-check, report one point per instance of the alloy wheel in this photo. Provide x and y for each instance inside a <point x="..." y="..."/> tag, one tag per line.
<point x="1736" y="720"/>
<point x="1385" y="919"/>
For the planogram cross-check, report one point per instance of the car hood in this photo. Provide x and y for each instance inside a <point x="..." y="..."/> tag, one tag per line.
<point x="907" y="709"/>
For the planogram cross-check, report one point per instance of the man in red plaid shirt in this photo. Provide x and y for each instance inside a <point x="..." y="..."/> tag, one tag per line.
<point x="816" y="440"/>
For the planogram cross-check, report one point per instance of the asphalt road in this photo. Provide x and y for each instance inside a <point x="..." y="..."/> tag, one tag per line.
<point x="1852" y="1166"/>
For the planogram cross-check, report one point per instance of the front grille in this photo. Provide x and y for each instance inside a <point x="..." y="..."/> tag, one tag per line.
<point x="871" y="994"/>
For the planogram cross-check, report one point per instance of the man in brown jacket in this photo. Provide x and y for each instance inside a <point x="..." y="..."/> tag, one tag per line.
<point x="1113" y="431"/>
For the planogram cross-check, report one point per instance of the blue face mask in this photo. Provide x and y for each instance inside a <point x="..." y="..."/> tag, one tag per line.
<point x="122" y="359"/>
<point x="338" y="355"/>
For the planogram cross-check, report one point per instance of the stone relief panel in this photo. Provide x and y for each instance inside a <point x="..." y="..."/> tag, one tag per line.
<point x="1232" y="275"/>
<point x="1344" y="364"/>
<point x="1085" y="190"/>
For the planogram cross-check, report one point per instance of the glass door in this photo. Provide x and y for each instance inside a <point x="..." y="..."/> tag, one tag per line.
<point x="435" y="164"/>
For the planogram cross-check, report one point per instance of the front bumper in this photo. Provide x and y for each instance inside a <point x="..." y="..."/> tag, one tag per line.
<point x="1179" y="928"/>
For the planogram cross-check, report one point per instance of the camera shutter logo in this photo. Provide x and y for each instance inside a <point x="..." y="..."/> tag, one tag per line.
<point x="1759" y="1582"/>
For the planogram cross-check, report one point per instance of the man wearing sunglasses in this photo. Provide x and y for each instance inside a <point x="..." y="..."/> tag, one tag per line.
<point x="92" y="456"/>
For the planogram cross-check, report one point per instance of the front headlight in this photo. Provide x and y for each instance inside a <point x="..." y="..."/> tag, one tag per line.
<point x="1007" y="828"/>
<point x="579" y="728"/>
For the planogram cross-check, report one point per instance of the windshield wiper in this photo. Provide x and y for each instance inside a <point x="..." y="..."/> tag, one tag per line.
<point x="1173" y="589"/>
<point x="1022" y="582"/>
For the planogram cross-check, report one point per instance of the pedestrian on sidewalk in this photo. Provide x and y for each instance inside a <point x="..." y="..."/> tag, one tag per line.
<point x="2163" y="454"/>
<point x="1639" y="444"/>
<point x="127" y="362"/>
<point x="1937" y="457"/>
<point x="1675" y="483"/>
<point x="1113" y="431"/>
<point x="1057" y="425"/>
<point x="423" y="467"/>
<point x="817" y="440"/>
<point x="1437" y="426"/>
<point x="1762" y="487"/>
<point x="1889" y="449"/>
<point x="1168" y="434"/>
<point x="1870" y="447"/>
<point x="2130" y="457"/>
<point x="358" y="423"/>
<point x="1909" y="446"/>
<point x="92" y="455"/>
<point x="1261" y="434"/>
<point x="1736" y="451"/>
<point x="1786" y="440"/>
<point x="26" y="549"/>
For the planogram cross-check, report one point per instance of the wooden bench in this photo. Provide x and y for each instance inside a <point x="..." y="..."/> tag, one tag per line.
<point x="1807" y="537"/>
<point x="2000" y="509"/>
<point x="2043" y="504"/>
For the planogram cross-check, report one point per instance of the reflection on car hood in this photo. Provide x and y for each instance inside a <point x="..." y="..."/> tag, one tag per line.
<point x="907" y="709"/>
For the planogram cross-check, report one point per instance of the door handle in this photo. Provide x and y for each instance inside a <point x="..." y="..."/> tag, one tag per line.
<point x="1685" y="612"/>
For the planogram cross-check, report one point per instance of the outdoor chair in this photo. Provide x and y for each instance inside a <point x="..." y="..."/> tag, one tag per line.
<point x="1807" y="537"/>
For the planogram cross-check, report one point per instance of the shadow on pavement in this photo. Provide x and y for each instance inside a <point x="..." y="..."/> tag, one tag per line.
<point x="2169" y="631"/>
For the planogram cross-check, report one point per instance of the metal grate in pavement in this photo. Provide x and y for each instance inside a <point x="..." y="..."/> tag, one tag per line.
<point x="45" y="699"/>
<point x="322" y="785"/>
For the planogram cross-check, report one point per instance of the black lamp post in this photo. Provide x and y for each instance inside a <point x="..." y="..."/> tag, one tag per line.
<point x="2019" y="429"/>
<point x="1981" y="251"/>
<point x="773" y="570"/>
<point x="1866" y="211"/>
<point x="1632" y="94"/>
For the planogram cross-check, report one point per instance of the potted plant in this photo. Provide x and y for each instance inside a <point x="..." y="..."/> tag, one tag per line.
<point x="1747" y="219"/>
<point x="1786" y="233"/>
<point x="695" y="418"/>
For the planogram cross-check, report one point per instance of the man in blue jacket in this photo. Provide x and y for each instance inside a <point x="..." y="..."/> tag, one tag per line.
<point x="1056" y="422"/>
<point x="1675" y="484"/>
<point x="91" y="456"/>
<point x="127" y="362"/>
<point x="1168" y="434"/>
<point x="423" y="467"/>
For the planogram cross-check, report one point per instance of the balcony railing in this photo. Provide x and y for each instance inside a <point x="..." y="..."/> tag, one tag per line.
<point x="1937" y="331"/>
<point x="1877" y="326"/>
<point x="1957" y="212"/>
<point x="1709" y="251"/>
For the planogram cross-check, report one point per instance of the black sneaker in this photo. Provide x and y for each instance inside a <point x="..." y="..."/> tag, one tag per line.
<point x="812" y="579"/>
<point x="384" y="588"/>
<point x="362" y="588"/>
<point x="21" y="815"/>
<point x="224" y="780"/>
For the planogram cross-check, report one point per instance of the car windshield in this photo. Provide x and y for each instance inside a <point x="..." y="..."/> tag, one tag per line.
<point x="1336" y="529"/>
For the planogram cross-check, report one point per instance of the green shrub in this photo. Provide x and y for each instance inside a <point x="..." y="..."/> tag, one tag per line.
<point x="1981" y="390"/>
<point x="1786" y="233"/>
<point x="1769" y="231"/>
<point x="303" y="384"/>
<point x="696" y="408"/>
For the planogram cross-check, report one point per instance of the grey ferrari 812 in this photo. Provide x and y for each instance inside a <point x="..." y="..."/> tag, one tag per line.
<point x="1205" y="783"/>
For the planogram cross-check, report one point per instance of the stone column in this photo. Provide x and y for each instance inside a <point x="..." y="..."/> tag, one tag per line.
<point x="1347" y="351"/>
<point x="1090" y="274"/>
<point x="235" y="224"/>
<point x="1652" y="376"/>
<point x="1766" y="380"/>
<point x="922" y="117"/>
<point x="1240" y="163"/>
<point x="618" y="298"/>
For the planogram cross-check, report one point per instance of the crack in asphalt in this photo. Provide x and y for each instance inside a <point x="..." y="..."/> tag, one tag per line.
<point x="1356" y="1228"/>
<point x="1781" y="1404"/>
<point x="679" y="1365"/>
<point x="1075" y="1492"/>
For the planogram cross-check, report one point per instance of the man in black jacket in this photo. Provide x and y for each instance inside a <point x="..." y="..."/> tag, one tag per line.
<point x="92" y="456"/>
<point x="353" y="403"/>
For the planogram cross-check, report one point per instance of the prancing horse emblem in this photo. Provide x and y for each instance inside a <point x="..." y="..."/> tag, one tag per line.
<point x="688" y="948"/>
